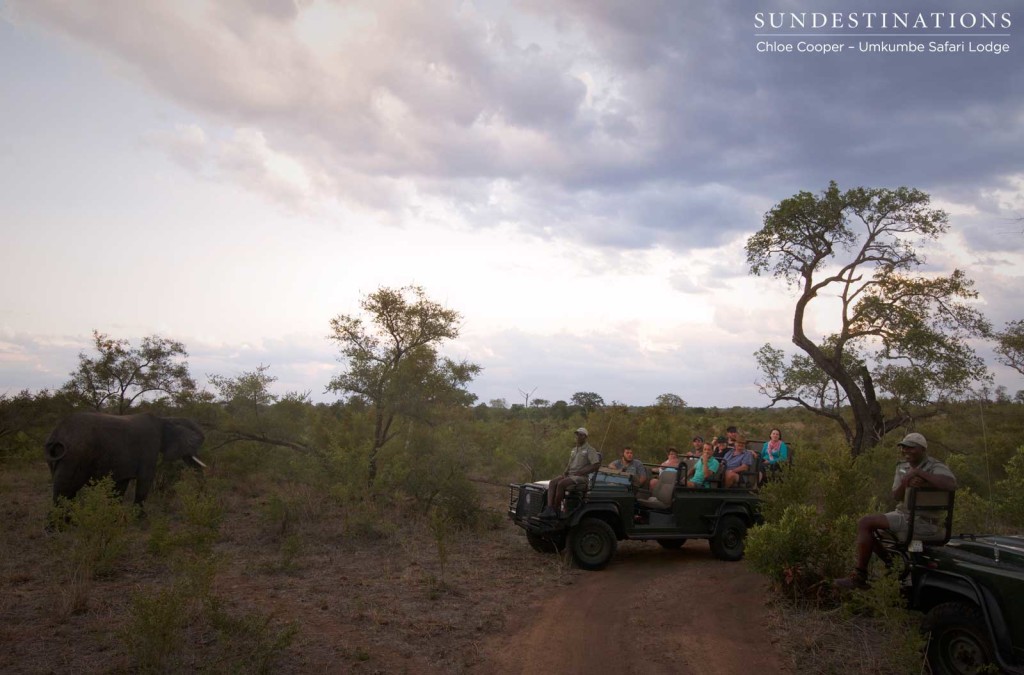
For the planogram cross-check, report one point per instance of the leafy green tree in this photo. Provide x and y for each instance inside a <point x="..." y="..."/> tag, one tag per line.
<point x="587" y="400"/>
<point x="393" y="364"/>
<point x="670" y="401"/>
<point x="249" y="391"/>
<point x="1010" y="346"/>
<point x="119" y="375"/>
<point x="901" y="334"/>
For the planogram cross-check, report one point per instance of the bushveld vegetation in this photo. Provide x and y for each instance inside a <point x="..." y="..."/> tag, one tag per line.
<point x="307" y="490"/>
<point x="394" y="469"/>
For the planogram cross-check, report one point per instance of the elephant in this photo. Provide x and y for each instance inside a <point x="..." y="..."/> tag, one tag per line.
<point x="88" y="446"/>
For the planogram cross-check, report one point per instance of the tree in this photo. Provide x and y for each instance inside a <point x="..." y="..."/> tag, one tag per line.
<point x="901" y="333"/>
<point x="247" y="391"/>
<point x="121" y="375"/>
<point x="670" y="401"/>
<point x="1010" y="346"/>
<point x="587" y="400"/>
<point x="392" y="361"/>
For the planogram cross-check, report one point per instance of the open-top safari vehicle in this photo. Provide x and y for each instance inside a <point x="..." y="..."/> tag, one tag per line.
<point x="609" y="508"/>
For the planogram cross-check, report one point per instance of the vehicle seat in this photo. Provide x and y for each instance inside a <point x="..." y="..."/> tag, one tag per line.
<point x="930" y="522"/>
<point x="661" y="498"/>
<point x="583" y="487"/>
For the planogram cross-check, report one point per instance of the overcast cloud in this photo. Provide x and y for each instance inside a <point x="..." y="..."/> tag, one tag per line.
<point x="577" y="178"/>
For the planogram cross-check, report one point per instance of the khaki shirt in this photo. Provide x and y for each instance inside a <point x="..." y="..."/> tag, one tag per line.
<point x="928" y="465"/>
<point x="582" y="456"/>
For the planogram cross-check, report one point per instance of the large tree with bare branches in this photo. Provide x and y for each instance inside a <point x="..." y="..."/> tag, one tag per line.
<point x="901" y="339"/>
<point x="392" y="360"/>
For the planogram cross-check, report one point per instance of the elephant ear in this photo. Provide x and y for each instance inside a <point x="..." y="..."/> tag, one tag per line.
<point x="181" y="438"/>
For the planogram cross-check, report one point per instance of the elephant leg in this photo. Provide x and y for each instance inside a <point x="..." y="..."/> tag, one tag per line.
<point x="142" y="486"/>
<point x="120" y="487"/>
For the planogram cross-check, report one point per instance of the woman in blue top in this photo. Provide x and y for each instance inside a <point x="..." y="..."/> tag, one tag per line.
<point x="774" y="453"/>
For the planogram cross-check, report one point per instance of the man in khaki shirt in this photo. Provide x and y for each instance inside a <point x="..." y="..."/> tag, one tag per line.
<point x="917" y="470"/>
<point x="583" y="461"/>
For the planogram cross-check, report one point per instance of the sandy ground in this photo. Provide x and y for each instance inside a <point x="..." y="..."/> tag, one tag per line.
<point x="651" y="611"/>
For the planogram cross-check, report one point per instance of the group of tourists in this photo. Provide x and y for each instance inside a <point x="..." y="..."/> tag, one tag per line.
<point x="916" y="470"/>
<point x="704" y="460"/>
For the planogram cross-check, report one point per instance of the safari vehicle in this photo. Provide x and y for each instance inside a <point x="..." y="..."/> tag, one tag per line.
<point x="610" y="508"/>
<point x="971" y="588"/>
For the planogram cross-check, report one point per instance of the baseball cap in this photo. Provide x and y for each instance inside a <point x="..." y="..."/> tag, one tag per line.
<point x="698" y="438"/>
<point x="914" y="440"/>
<point x="583" y="431"/>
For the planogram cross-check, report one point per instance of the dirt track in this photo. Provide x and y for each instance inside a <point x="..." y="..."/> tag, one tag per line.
<point x="688" y="612"/>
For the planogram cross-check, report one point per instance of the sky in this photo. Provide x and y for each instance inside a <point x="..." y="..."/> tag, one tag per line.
<point x="578" y="178"/>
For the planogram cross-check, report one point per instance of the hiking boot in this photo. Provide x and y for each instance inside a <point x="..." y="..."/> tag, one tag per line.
<point x="549" y="512"/>
<point x="856" y="581"/>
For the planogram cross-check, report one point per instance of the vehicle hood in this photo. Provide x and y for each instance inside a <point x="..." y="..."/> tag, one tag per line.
<point x="1001" y="549"/>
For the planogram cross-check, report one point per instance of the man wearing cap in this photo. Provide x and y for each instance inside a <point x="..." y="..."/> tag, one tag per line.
<point x="720" y="447"/>
<point x="916" y="470"/>
<point x="583" y="461"/>
<point x="697" y="446"/>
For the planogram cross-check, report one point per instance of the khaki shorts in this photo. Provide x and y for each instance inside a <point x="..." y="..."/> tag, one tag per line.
<point x="898" y="523"/>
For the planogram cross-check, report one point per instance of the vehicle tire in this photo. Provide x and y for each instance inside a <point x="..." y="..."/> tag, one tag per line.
<point x="959" y="642"/>
<point x="671" y="544"/>
<point x="592" y="543"/>
<point x="728" y="544"/>
<point x="553" y="544"/>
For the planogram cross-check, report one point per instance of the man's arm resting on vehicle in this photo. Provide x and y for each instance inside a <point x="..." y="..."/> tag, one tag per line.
<point x="918" y="478"/>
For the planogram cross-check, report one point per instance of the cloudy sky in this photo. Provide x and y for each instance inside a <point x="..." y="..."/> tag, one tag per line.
<point x="577" y="178"/>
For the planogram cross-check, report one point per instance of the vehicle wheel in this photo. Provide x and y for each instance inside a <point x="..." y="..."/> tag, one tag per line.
<point x="959" y="644"/>
<point x="592" y="543"/>
<point x="729" y="542"/>
<point x="671" y="543"/>
<point x="553" y="544"/>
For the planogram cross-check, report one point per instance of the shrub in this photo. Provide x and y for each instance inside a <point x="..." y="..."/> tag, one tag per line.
<point x="884" y="605"/>
<point x="249" y="643"/>
<point x="95" y="525"/>
<point x="1010" y="497"/>
<point x="155" y="632"/>
<point x="802" y="550"/>
<point x="972" y="513"/>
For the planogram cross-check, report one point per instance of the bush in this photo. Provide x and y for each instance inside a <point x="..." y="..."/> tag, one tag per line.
<point x="1010" y="498"/>
<point x="155" y="632"/>
<point x="802" y="551"/>
<point x="95" y="525"/>
<point x="884" y="606"/>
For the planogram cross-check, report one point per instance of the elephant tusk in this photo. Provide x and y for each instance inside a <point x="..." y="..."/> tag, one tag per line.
<point x="197" y="461"/>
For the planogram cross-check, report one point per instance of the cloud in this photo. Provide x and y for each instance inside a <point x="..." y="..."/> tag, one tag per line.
<point x="596" y="122"/>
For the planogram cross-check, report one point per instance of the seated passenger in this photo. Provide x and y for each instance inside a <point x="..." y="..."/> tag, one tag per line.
<point x="634" y="467"/>
<point x="737" y="461"/>
<point x="916" y="470"/>
<point x="774" y="454"/>
<point x="671" y="462"/>
<point x="720" y="447"/>
<point x="583" y="460"/>
<point x="732" y="437"/>
<point x="704" y="469"/>
<point x="698" y="447"/>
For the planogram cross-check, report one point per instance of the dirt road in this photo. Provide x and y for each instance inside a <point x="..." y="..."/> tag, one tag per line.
<point x="651" y="611"/>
